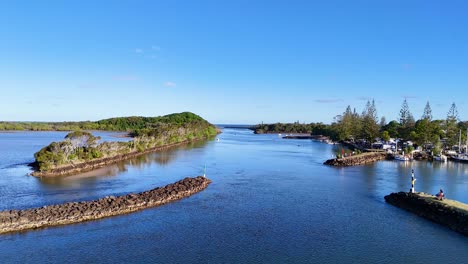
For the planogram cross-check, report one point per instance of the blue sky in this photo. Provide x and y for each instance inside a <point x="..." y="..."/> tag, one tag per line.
<point x="230" y="61"/>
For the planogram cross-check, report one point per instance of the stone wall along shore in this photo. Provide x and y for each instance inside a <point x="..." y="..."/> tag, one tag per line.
<point x="359" y="159"/>
<point x="450" y="213"/>
<point x="75" y="212"/>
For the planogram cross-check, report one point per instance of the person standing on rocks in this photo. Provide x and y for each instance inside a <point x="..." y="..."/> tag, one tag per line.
<point x="412" y="181"/>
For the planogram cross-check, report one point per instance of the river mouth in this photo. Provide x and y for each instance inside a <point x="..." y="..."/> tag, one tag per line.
<point x="270" y="201"/>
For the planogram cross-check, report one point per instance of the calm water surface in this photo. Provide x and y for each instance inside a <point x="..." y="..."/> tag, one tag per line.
<point x="271" y="201"/>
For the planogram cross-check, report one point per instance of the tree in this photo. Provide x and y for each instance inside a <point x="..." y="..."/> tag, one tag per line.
<point x="393" y="127"/>
<point x="383" y="121"/>
<point x="406" y="121"/>
<point x="385" y="136"/>
<point x="345" y="124"/>
<point x="356" y="124"/>
<point x="427" y="112"/>
<point x="423" y="132"/>
<point x="451" y="129"/>
<point x="370" y="126"/>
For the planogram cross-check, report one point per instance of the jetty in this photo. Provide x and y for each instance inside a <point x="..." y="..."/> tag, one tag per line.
<point x="359" y="159"/>
<point x="450" y="213"/>
<point x="75" y="212"/>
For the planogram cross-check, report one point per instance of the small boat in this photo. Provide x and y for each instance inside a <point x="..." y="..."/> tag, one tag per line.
<point x="401" y="158"/>
<point x="441" y="158"/>
<point x="461" y="158"/>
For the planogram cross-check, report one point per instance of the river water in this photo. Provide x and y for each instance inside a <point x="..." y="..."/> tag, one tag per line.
<point x="271" y="201"/>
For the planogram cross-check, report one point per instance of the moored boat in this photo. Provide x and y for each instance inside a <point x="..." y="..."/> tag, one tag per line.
<point x="441" y="158"/>
<point x="461" y="158"/>
<point x="401" y="157"/>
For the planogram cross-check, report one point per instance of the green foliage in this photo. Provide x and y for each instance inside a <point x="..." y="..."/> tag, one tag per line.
<point x="295" y="127"/>
<point x="451" y="128"/>
<point x="82" y="146"/>
<point x="385" y="136"/>
<point x="112" y="124"/>
<point x="370" y="127"/>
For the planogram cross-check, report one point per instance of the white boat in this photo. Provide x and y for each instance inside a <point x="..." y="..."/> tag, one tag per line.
<point x="461" y="158"/>
<point x="401" y="157"/>
<point x="441" y="158"/>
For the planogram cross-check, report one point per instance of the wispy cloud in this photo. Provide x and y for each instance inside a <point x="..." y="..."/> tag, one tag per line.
<point x="155" y="47"/>
<point x="130" y="77"/>
<point x="138" y="50"/>
<point x="170" y="84"/>
<point x="328" y="100"/>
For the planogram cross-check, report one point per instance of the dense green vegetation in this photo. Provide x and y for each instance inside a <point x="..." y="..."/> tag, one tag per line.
<point x="82" y="146"/>
<point x="128" y="124"/>
<point x="424" y="132"/>
<point x="367" y="126"/>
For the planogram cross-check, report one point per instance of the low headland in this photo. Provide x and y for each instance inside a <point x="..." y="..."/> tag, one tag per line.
<point x="75" y="212"/>
<point x="81" y="151"/>
<point x="450" y="213"/>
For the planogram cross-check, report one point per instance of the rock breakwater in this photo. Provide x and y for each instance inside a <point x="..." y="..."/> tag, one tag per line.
<point x="450" y="213"/>
<point x="75" y="212"/>
<point x="359" y="159"/>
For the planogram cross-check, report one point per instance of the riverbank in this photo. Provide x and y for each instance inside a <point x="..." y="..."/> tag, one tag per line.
<point x="100" y="162"/>
<point x="75" y="212"/>
<point x="450" y="213"/>
<point x="358" y="159"/>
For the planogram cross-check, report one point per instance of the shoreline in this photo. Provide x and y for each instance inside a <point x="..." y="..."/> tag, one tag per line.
<point x="76" y="212"/>
<point x="71" y="169"/>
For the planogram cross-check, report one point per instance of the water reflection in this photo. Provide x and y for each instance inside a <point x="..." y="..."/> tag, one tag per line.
<point x="160" y="158"/>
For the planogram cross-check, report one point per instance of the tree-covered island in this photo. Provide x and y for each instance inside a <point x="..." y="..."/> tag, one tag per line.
<point x="81" y="151"/>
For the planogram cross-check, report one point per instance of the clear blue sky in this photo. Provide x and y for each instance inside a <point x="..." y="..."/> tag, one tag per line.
<point x="231" y="61"/>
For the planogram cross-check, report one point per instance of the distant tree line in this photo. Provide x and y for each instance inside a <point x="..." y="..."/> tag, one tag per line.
<point x="424" y="132"/>
<point x="128" y="124"/>
<point x="351" y="125"/>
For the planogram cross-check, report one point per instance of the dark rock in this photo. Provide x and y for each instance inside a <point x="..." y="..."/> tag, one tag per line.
<point x="74" y="212"/>
<point x="358" y="159"/>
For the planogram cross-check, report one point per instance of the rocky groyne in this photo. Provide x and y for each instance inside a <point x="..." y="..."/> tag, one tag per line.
<point x="75" y="212"/>
<point x="358" y="159"/>
<point x="298" y="137"/>
<point x="97" y="163"/>
<point x="447" y="212"/>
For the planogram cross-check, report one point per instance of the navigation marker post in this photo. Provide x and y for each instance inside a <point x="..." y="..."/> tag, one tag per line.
<point x="412" y="181"/>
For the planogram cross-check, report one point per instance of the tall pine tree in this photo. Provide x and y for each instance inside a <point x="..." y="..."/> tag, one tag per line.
<point x="370" y="126"/>
<point x="427" y="112"/>
<point x="451" y="130"/>
<point x="406" y="121"/>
